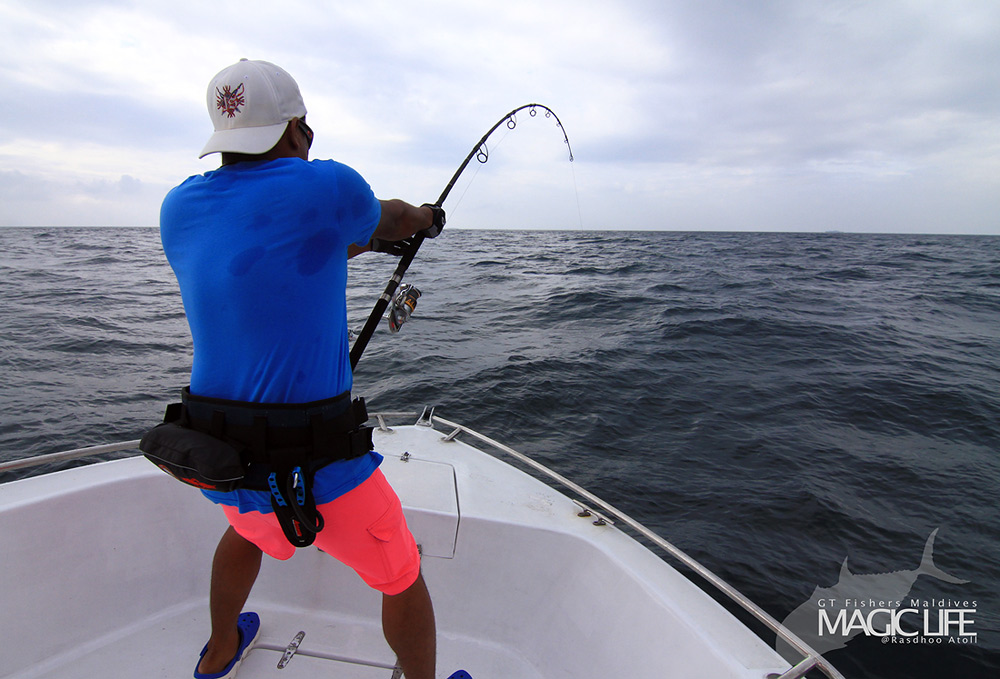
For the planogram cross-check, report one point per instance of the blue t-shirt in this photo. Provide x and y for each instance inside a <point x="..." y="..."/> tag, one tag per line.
<point x="260" y="253"/>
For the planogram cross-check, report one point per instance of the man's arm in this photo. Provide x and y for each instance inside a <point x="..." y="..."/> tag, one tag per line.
<point x="401" y="220"/>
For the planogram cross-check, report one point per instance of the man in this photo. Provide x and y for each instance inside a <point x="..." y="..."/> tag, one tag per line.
<point x="260" y="248"/>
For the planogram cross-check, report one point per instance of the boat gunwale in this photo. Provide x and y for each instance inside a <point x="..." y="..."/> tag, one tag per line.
<point x="810" y="658"/>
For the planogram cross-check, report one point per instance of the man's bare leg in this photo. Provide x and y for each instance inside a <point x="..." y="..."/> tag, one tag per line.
<point x="234" y="570"/>
<point x="408" y="625"/>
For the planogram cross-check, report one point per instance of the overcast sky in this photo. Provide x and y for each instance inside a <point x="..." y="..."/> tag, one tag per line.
<point x="794" y="115"/>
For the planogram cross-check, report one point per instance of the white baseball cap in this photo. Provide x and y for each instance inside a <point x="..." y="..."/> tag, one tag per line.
<point x="250" y="104"/>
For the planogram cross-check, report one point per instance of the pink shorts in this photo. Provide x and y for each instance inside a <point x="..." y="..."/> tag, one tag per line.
<point x="363" y="529"/>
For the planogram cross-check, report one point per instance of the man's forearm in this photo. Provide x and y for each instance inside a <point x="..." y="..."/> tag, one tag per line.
<point x="401" y="220"/>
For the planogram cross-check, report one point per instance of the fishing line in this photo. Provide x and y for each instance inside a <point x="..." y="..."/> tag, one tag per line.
<point x="576" y="192"/>
<point x="485" y="156"/>
<point x="482" y="153"/>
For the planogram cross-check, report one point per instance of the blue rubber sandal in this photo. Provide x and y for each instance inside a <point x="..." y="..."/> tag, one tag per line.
<point x="248" y="625"/>
<point x="461" y="674"/>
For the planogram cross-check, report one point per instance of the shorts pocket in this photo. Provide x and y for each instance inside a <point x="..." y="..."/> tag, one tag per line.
<point x="387" y="526"/>
<point x="394" y="542"/>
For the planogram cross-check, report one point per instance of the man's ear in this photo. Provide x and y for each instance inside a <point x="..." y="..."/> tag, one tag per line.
<point x="296" y="139"/>
<point x="292" y="143"/>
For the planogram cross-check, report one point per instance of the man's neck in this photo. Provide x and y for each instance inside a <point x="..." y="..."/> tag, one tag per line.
<point x="233" y="158"/>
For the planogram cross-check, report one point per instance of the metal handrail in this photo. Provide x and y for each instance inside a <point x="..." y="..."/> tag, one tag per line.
<point x="811" y="659"/>
<point x="67" y="455"/>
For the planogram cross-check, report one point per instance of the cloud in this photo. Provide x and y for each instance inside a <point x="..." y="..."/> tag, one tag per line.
<point x="815" y="81"/>
<point x="724" y="114"/>
<point x="33" y="199"/>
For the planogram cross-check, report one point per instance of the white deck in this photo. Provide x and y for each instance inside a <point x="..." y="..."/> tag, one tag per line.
<point x="105" y="573"/>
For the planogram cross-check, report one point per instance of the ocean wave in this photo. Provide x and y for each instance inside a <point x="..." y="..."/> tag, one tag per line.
<point x="771" y="402"/>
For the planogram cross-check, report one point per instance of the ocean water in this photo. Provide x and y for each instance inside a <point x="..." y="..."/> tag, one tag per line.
<point x="772" y="404"/>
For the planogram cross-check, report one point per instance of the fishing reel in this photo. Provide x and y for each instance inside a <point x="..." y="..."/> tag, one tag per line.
<point x="402" y="306"/>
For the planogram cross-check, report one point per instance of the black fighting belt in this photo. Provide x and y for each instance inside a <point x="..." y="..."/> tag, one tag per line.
<point x="218" y="444"/>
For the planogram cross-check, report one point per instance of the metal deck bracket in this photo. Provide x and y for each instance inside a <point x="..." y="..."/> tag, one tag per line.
<point x="426" y="418"/>
<point x="290" y="650"/>
<point x="800" y="670"/>
<point x="586" y="512"/>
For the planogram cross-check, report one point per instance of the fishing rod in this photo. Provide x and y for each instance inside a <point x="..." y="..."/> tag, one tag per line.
<point x="482" y="153"/>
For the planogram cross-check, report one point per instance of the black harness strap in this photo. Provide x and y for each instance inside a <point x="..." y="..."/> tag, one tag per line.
<point x="283" y="445"/>
<point x="294" y="505"/>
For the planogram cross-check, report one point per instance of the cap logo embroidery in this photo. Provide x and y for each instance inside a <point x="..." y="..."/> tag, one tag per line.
<point x="229" y="101"/>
